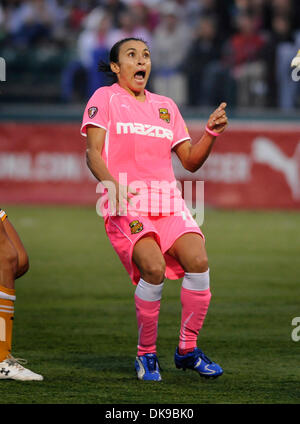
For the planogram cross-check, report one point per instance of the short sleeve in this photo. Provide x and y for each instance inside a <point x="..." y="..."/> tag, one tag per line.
<point x="180" y="130"/>
<point x="96" y="111"/>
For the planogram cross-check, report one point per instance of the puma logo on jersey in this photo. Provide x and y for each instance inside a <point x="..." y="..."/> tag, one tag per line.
<point x="144" y="129"/>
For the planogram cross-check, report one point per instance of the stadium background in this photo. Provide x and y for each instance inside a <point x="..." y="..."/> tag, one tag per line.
<point x="203" y="52"/>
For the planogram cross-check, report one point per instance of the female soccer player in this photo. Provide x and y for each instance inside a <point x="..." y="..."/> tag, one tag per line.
<point x="130" y="134"/>
<point x="13" y="264"/>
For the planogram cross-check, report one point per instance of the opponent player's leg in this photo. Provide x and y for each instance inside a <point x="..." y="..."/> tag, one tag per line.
<point x="151" y="264"/>
<point x="8" y="259"/>
<point x="12" y="254"/>
<point x="9" y="367"/>
<point x="8" y="269"/>
<point x="189" y="250"/>
<point x="23" y="261"/>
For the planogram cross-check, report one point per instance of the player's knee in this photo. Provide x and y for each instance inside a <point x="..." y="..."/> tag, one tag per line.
<point x="154" y="273"/>
<point x="198" y="264"/>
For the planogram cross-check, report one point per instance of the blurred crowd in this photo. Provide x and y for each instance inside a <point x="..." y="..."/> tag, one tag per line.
<point x="203" y="51"/>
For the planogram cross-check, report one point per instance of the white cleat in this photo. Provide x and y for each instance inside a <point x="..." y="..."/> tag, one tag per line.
<point x="11" y="368"/>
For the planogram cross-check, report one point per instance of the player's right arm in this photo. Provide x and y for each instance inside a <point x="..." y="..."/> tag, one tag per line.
<point x="96" y="164"/>
<point x="94" y="147"/>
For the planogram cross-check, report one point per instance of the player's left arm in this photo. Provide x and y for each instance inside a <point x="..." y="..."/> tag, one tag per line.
<point x="192" y="156"/>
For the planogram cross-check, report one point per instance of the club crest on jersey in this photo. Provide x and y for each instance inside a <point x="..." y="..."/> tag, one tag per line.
<point x="92" y="112"/>
<point x="136" y="227"/>
<point x="164" y="114"/>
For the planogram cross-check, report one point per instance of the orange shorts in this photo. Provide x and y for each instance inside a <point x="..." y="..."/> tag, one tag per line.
<point x="124" y="231"/>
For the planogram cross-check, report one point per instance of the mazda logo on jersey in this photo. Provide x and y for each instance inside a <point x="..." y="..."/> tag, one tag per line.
<point x="144" y="129"/>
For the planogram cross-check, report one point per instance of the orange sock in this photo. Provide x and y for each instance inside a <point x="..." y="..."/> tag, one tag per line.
<point x="7" y="298"/>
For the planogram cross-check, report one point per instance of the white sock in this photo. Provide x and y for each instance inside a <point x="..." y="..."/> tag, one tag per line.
<point x="197" y="281"/>
<point x="149" y="292"/>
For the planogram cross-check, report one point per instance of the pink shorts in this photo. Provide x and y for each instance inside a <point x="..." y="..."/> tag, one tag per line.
<point x="124" y="231"/>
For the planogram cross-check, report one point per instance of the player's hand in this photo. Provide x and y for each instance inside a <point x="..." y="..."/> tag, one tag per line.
<point x="123" y="197"/>
<point x="218" y="120"/>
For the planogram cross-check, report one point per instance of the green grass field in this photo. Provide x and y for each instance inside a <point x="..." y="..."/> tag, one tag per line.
<point x="75" y="317"/>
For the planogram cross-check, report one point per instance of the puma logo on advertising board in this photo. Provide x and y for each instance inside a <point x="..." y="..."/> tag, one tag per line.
<point x="266" y="152"/>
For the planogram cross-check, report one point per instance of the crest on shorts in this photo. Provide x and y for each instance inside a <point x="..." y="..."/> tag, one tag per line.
<point x="92" y="111"/>
<point x="136" y="226"/>
<point x="164" y="114"/>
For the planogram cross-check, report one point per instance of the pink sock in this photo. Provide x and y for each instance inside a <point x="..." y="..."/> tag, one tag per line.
<point x="147" y="313"/>
<point x="194" y="309"/>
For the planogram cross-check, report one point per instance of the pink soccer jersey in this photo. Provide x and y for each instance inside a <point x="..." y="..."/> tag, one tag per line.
<point x="138" y="144"/>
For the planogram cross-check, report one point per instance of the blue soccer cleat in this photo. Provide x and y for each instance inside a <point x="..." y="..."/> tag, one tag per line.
<point x="147" y="367"/>
<point x="197" y="361"/>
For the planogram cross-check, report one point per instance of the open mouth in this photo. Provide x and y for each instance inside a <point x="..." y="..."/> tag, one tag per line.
<point x="139" y="75"/>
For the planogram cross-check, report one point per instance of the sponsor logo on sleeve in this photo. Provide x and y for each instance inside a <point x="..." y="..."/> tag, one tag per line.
<point x="92" y="112"/>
